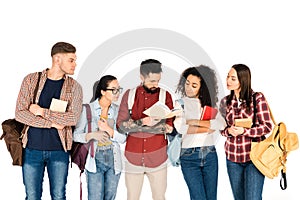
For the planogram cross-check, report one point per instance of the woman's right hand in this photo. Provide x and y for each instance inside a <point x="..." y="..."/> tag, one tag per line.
<point x="100" y="136"/>
<point x="235" y="130"/>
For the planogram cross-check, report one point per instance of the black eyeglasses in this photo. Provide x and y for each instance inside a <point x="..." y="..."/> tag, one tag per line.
<point x="115" y="90"/>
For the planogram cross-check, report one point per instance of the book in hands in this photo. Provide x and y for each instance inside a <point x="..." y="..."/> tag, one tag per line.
<point x="58" y="105"/>
<point x="208" y="113"/>
<point x="161" y="111"/>
<point x="244" y="122"/>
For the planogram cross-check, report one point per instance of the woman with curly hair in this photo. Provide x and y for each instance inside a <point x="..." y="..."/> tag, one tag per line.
<point x="198" y="159"/>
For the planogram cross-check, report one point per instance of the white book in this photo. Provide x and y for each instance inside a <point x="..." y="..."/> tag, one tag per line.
<point x="162" y="111"/>
<point x="58" y="105"/>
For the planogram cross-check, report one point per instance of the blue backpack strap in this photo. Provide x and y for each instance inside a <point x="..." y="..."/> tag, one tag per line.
<point x="174" y="132"/>
<point x="180" y="101"/>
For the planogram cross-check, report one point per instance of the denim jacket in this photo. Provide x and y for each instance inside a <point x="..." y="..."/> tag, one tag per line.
<point x="80" y="132"/>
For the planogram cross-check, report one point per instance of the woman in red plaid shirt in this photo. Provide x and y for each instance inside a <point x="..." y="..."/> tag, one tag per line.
<point x="245" y="179"/>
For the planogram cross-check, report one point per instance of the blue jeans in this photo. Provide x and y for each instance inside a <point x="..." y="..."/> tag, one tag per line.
<point x="246" y="180"/>
<point x="34" y="164"/>
<point x="103" y="184"/>
<point x="200" y="171"/>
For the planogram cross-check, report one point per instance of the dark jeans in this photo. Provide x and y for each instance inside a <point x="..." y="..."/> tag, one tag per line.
<point x="200" y="171"/>
<point x="246" y="180"/>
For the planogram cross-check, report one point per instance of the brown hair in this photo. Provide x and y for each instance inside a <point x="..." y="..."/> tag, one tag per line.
<point x="62" y="47"/>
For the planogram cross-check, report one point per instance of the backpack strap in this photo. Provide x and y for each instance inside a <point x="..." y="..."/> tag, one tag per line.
<point x="91" y="143"/>
<point x="36" y="87"/>
<point x="254" y="109"/>
<point x="89" y="119"/>
<point x="88" y="116"/>
<point x="181" y="102"/>
<point x="131" y="97"/>
<point x="162" y="95"/>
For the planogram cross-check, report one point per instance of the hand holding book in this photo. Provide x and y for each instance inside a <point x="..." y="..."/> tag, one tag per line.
<point x="244" y="122"/>
<point x="161" y="111"/>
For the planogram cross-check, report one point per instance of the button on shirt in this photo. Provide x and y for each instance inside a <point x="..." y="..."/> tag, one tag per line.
<point x="238" y="148"/>
<point x="144" y="149"/>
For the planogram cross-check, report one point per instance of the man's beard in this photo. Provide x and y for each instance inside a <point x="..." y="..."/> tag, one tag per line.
<point x="150" y="90"/>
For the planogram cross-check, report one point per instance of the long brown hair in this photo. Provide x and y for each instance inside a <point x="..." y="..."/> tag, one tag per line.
<point x="244" y="77"/>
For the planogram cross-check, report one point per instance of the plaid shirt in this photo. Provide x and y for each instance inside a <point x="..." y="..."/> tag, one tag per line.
<point x="238" y="148"/>
<point x="71" y="92"/>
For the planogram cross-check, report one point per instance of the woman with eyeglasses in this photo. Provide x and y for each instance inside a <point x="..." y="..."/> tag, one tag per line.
<point x="103" y="165"/>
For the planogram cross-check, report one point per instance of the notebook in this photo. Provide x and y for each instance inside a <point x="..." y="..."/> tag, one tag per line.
<point x="208" y="113"/>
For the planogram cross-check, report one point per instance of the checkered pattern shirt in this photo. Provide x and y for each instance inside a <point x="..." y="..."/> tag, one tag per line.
<point x="238" y="148"/>
<point x="71" y="92"/>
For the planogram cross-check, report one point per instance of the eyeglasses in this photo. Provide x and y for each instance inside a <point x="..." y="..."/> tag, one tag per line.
<point x="115" y="90"/>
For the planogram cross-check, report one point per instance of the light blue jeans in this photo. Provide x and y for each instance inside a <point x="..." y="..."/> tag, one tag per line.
<point x="34" y="164"/>
<point x="199" y="166"/>
<point x="103" y="184"/>
<point x="246" y="180"/>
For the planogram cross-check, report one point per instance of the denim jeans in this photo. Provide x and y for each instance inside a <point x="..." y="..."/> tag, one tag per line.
<point x="246" y="180"/>
<point x="200" y="171"/>
<point x="103" y="184"/>
<point x="34" y="164"/>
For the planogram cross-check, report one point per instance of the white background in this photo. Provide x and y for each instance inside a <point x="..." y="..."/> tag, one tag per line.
<point x="262" y="34"/>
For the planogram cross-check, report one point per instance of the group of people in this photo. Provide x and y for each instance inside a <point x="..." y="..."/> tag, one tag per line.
<point x="49" y="134"/>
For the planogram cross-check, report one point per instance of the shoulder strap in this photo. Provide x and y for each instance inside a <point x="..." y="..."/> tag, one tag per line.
<point x="131" y="96"/>
<point x="181" y="102"/>
<point x="254" y="109"/>
<point x="89" y="119"/>
<point x="36" y="87"/>
<point x="69" y="81"/>
<point x="88" y="116"/>
<point x="162" y="95"/>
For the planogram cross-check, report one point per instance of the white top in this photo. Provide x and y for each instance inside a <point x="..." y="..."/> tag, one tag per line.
<point x="192" y="110"/>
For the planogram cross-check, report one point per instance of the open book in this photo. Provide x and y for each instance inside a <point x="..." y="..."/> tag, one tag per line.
<point x="161" y="111"/>
<point x="208" y="113"/>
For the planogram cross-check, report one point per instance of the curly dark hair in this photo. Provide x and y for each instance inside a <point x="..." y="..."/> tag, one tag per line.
<point x="208" y="93"/>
